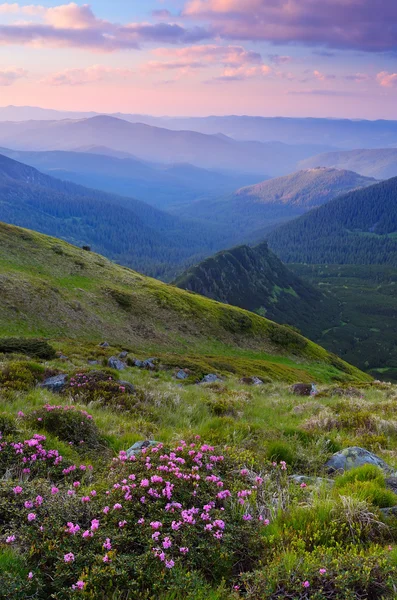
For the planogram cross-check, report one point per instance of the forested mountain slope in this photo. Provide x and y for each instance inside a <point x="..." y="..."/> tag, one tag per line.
<point x="357" y="228"/>
<point x="255" y="279"/>
<point x="123" y="229"/>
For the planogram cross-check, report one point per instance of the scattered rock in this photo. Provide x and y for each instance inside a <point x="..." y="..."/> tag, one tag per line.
<point x="104" y="345"/>
<point x="123" y="354"/>
<point x="299" y="479"/>
<point x="93" y="362"/>
<point x="251" y="381"/>
<point x="211" y="378"/>
<point x="391" y="483"/>
<point x="116" y="363"/>
<point x="182" y="374"/>
<point x="389" y="512"/>
<point x="62" y="357"/>
<point x="150" y="363"/>
<point x="56" y="383"/>
<point x="139" y="446"/>
<point x="350" y="458"/>
<point x="304" y="389"/>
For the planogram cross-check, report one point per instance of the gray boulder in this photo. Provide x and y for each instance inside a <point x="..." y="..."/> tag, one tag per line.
<point x="182" y="375"/>
<point x="210" y="378"/>
<point x="349" y="458"/>
<point x="139" y="446"/>
<point x="56" y="383"/>
<point x="116" y="363"/>
<point x="123" y="354"/>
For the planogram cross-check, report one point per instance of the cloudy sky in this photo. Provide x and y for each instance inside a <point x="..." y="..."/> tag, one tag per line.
<point x="327" y="58"/>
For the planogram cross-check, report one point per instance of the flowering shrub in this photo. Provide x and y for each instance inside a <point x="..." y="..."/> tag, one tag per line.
<point x="189" y="510"/>
<point x="99" y="386"/>
<point x="69" y="424"/>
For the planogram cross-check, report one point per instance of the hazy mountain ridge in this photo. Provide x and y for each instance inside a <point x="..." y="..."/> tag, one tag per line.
<point x="380" y="163"/>
<point x="339" y="133"/>
<point x="124" y="229"/>
<point x="250" y="210"/>
<point x="156" y="184"/>
<point x="209" y="151"/>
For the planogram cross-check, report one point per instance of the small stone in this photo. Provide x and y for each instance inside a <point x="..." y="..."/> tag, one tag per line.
<point x="181" y="374"/>
<point x="123" y="354"/>
<point x="210" y="378"/>
<point x="55" y="384"/>
<point x="251" y="381"/>
<point x="299" y="479"/>
<point x="139" y="446"/>
<point x="115" y="363"/>
<point x="93" y="362"/>
<point x="304" y="389"/>
<point x="104" y="345"/>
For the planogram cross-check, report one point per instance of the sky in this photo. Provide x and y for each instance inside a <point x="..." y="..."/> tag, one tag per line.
<point x="319" y="58"/>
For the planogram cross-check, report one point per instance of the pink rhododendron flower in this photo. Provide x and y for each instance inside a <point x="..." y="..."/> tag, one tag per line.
<point x="68" y="558"/>
<point x="31" y="517"/>
<point x="79" y="585"/>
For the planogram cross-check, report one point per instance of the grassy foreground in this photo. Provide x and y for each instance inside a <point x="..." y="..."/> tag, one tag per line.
<point x="212" y="511"/>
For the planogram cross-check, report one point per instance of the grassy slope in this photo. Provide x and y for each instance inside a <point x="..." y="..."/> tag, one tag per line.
<point x="52" y="289"/>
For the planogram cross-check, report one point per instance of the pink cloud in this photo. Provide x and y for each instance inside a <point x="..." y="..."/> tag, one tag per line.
<point x="11" y="75"/>
<point x="236" y="61"/>
<point x="71" y="25"/>
<point x="89" y="75"/>
<point x="243" y="73"/>
<point x="386" y="79"/>
<point x="359" y="24"/>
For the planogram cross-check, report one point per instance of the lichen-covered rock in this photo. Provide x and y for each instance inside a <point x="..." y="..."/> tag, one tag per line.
<point x="116" y="363"/>
<point x="139" y="446"/>
<point x="55" y="384"/>
<point x="349" y="458"/>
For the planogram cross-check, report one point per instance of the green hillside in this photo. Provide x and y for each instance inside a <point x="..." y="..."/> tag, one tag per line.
<point x="357" y="228"/>
<point x="255" y="279"/>
<point x="50" y="288"/>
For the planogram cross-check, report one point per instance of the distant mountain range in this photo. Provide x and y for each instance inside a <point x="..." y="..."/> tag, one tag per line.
<point x="120" y="173"/>
<point x="157" y="144"/>
<point x="124" y="229"/>
<point x="256" y="279"/>
<point x="252" y="210"/>
<point x="357" y="228"/>
<point x="380" y="163"/>
<point x="338" y="133"/>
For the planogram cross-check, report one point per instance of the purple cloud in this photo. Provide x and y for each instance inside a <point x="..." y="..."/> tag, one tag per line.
<point x="367" y="25"/>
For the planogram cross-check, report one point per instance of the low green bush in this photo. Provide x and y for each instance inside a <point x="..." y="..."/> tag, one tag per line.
<point x="21" y="375"/>
<point x="31" y="347"/>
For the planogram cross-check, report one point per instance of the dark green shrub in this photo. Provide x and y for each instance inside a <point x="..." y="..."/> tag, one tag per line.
<point x="30" y="347"/>
<point x="7" y="425"/>
<point x="123" y="299"/>
<point x="69" y="424"/>
<point x="285" y="337"/>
